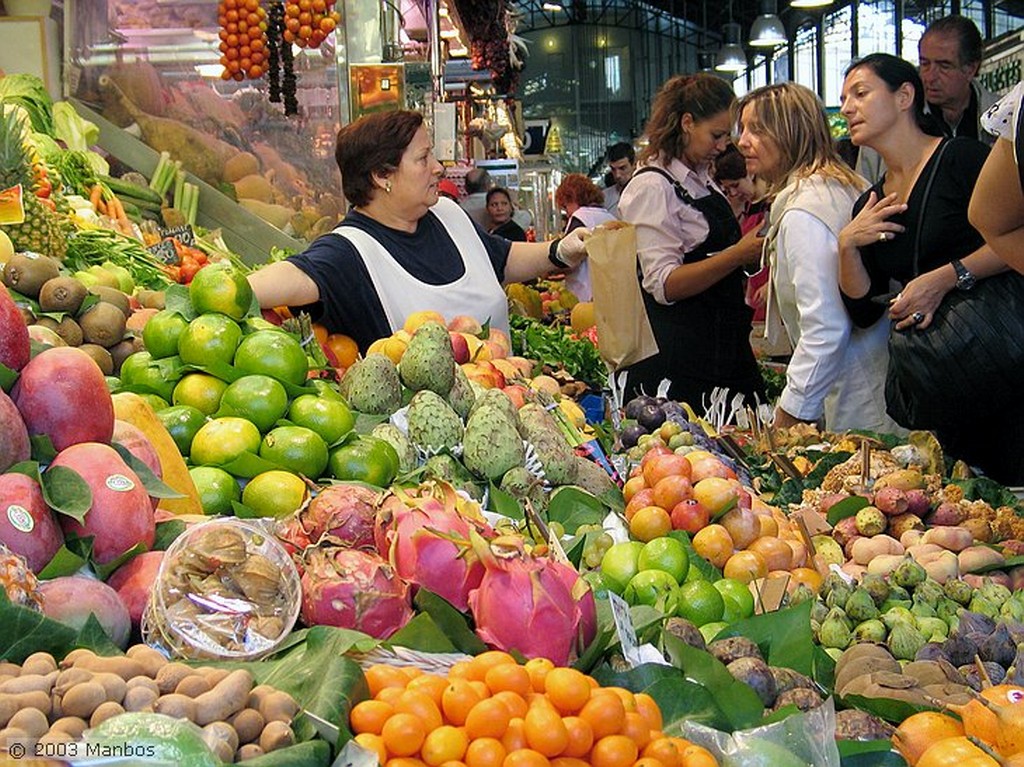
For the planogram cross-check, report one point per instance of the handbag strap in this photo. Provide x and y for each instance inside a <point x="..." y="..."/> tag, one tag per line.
<point x="924" y="205"/>
<point x="681" y="193"/>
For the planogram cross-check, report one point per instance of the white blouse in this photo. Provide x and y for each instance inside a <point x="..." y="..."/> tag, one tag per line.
<point x="1002" y="117"/>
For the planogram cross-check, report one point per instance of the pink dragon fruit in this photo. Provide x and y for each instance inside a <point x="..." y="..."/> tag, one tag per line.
<point x="524" y="603"/>
<point x="345" y="512"/>
<point x="353" y="589"/>
<point x="425" y="537"/>
<point x="584" y="597"/>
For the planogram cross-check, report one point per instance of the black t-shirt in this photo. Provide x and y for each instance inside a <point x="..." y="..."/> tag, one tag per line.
<point x="946" y="233"/>
<point x="968" y="125"/>
<point x="349" y="301"/>
<point x="511" y="231"/>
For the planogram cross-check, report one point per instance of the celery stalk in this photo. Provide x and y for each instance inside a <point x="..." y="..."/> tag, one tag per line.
<point x="165" y="157"/>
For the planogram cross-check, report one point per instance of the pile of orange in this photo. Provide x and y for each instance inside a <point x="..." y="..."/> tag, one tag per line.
<point x="490" y="711"/>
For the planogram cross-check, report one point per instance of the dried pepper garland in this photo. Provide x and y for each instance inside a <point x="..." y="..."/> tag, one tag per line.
<point x="280" y="58"/>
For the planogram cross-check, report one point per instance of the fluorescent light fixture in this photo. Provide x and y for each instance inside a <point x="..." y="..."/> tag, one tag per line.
<point x="767" y="31"/>
<point x="731" y="57"/>
<point x="553" y="7"/>
<point x="809" y="3"/>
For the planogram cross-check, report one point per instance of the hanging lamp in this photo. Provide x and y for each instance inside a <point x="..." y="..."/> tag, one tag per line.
<point x="768" y="31"/>
<point x="809" y="3"/>
<point x="731" y="57"/>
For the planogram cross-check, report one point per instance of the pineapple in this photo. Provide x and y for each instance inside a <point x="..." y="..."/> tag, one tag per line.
<point x="42" y="231"/>
<point x="17" y="580"/>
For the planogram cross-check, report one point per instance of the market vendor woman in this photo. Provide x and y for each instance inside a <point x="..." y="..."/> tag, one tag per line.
<point x="400" y="249"/>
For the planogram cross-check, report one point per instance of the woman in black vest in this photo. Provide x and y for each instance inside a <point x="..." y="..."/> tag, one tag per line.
<point x="689" y="247"/>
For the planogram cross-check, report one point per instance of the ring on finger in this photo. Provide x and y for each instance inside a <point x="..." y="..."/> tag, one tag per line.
<point x="882" y="237"/>
<point x="917" y="317"/>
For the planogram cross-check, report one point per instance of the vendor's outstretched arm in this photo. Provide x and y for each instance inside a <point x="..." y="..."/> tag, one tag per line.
<point x="529" y="260"/>
<point x="283" y="284"/>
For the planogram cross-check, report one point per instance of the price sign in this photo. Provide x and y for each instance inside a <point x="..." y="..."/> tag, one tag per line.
<point x="165" y="251"/>
<point x="182" y="234"/>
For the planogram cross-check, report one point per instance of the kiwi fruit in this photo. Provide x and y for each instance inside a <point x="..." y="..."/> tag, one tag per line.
<point x="123" y="349"/>
<point x="112" y="296"/>
<point x="69" y="330"/>
<point x="102" y="357"/>
<point x="151" y="299"/>
<point x="103" y="324"/>
<point x="62" y="294"/>
<point x="26" y="314"/>
<point x="47" y="322"/>
<point x="26" y="273"/>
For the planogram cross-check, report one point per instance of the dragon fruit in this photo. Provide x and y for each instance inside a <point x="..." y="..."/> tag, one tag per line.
<point x="353" y="589"/>
<point x="584" y="597"/>
<point x="345" y="512"/>
<point x="424" y="534"/>
<point x="524" y="603"/>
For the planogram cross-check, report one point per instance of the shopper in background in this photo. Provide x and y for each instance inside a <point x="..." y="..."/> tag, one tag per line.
<point x="499" y="211"/>
<point x="582" y="201"/>
<point x="690" y="249"/>
<point x="446" y="187"/>
<point x="949" y="52"/>
<point x="836" y="371"/>
<point x="477" y="182"/>
<point x="402" y="249"/>
<point x="621" y="164"/>
<point x="916" y="214"/>
<point x="997" y="205"/>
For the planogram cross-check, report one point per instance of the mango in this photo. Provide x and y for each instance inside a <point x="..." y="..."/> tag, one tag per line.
<point x="62" y="393"/>
<point x="27" y="524"/>
<point x="137" y="443"/>
<point x="72" y="599"/>
<point x="14" y="444"/>
<point x="133" y="581"/>
<point x="14" y="345"/>
<point x="121" y="515"/>
<point x="135" y="410"/>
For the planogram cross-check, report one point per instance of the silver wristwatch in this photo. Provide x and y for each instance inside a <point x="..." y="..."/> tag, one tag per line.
<point x="964" y="279"/>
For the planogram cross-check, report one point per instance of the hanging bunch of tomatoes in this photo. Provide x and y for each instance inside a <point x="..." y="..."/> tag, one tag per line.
<point x="307" y="23"/>
<point x="243" y="39"/>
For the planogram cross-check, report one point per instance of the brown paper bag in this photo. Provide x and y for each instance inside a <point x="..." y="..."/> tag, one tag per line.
<point x="624" y="333"/>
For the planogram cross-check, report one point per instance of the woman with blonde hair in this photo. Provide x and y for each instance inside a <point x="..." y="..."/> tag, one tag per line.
<point x="689" y="248"/>
<point x="836" y="371"/>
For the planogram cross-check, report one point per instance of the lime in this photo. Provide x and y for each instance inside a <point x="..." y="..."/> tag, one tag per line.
<point x="209" y="338"/>
<point x="596" y="582"/>
<point x="160" y="334"/>
<point x="655" y="588"/>
<point x="296" y="448"/>
<point x="739" y="594"/>
<point x="200" y="390"/>
<point x="222" y="440"/>
<point x="711" y="630"/>
<point x="366" y="459"/>
<point x="141" y="371"/>
<point x="693" y="574"/>
<point x="256" y="398"/>
<point x="700" y="603"/>
<point x="274" y="494"/>
<point x="220" y="288"/>
<point x="330" y="418"/>
<point x="666" y="554"/>
<point x="217" y="489"/>
<point x="182" y="422"/>
<point x="326" y="389"/>
<point x="618" y="565"/>
<point x="273" y="353"/>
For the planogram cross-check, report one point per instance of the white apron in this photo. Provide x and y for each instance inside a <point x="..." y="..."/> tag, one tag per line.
<point x="477" y="293"/>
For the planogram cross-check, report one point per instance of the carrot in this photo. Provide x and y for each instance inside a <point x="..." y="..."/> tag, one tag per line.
<point x="96" y="198"/>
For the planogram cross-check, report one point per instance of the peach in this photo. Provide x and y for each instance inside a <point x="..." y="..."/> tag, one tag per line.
<point x="460" y="347"/>
<point x="743" y="525"/>
<point x="501" y="339"/>
<point x="545" y="384"/>
<point x="745" y="566"/>
<point x="714" y="544"/>
<point x="633" y="485"/>
<point x="715" y="493"/>
<point x="708" y="467"/>
<point x="463" y="323"/>
<point x="667" y="465"/>
<point x="672" y="490"/>
<point x="517" y="393"/>
<point x="775" y="551"/>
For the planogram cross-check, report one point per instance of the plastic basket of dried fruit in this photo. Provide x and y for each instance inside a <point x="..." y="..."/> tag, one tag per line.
<point x="226" y="590"/>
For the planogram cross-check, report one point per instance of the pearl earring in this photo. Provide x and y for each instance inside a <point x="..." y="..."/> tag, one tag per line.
<point x="387" y="187"/>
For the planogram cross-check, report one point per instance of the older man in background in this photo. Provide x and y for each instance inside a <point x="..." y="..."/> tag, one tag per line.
<point x="622" y="162"/>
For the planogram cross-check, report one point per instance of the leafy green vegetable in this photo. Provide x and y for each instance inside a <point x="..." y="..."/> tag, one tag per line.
<point x="553" y="345"/>
<point x="988" y="490"/>
<point x="94" y="246"/>
<point x="29" y="92"/>
<point x="74" y="130"/>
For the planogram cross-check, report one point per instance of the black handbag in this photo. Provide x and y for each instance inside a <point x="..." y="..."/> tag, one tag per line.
<point x="970" y="359"/>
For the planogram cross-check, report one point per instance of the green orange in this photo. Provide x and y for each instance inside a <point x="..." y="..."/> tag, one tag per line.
<point x="221" y="288"/>
<point x="366" y="459"/>
<point x="297" y="449"/>
<point x="141" y="371"/>
<point x="216" y="488"/>
<point x="700" y="602"/>
<point x="273" y="353"/>
<point x="273" y="494"/>
<point x="161" y="332"/>
<point x="257" y="398"/>
<point x="182" y="422"/>
<point x="209" y="338"/>
<point x="330" y="418"/>
<point x="222" y="440"/>
<point x="200" y="390"/>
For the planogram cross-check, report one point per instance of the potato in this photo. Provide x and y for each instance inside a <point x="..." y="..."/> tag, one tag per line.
<point x="73" y="657"/>
<point x="39" y="663"/>
<point x="866" y="549"/>
<point x="104" y="712"/>
<point x="53" y="737"/>
<point x="276" y="735"/>
<point x="144" y="682"/>
<point x="31" y="721"/>
<point x="259" y="692"/>
<point x="9" y="669"/>
<point x="222" y="738"/>
<point x="69" y="677"/>
<point x="82" y="699"/>
<point x="125" y="668"/>
<point x="911" y="538"/>
<point x="975" y="558"/>
<point x="950" y="537"/>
